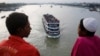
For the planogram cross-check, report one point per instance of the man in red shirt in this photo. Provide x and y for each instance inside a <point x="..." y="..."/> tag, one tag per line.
<point x="19" y="28"/>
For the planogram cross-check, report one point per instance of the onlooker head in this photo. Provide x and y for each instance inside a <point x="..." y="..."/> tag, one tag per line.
<point x="18" y="24"/>
<point x="87" y="27"/>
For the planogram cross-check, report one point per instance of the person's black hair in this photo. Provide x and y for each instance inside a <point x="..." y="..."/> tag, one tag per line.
<point x="81" y="26"/>
<point x="16" y="20"/>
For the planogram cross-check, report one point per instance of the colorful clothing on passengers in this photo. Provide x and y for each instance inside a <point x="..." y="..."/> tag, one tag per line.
<point x="86" y="46"/>
<point x="22" y="47"/>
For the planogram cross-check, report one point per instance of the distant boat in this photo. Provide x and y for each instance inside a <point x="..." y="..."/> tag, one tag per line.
<point x="51" y="6"/>
<point x="61" y="6"/>
<point x="51" y="26"/>
<point x="40" y="5"/>
<point x="98" y="9"/>
<point x="3" y="16"/>
<point x="92" y="9"/>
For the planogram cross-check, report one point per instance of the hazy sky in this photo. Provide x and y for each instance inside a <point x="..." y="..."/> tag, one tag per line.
<point x="63" y="1"/>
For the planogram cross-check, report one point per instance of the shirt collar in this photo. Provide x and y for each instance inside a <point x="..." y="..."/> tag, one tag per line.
<point x="17" y="38"/>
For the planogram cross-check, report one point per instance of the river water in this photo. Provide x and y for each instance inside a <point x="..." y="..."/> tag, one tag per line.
<point x="69" y="19"/>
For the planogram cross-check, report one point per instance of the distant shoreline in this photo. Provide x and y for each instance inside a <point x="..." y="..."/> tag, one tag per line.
<point x="10" y="7"/>
<point x="14" y="6"/>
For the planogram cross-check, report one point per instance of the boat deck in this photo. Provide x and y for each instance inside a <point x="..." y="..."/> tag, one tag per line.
<point x="50" y="18"/>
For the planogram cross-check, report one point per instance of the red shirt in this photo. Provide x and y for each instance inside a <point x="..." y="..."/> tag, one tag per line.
<point x="22" y="47"/>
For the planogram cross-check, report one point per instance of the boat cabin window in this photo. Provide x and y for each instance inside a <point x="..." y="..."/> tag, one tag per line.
<point x="54" y="33"/>
<point x="53" y="29"/>
<point x="53" y="25"/>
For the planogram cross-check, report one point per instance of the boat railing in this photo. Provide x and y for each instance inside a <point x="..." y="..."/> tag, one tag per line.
<point x="53" y="30"/>
<point x="52" y="27"/>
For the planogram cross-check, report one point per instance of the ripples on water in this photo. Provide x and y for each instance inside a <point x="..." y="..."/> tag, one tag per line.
<point x="69" y="19"/>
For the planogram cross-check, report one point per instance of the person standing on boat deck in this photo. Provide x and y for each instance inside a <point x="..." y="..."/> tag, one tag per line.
<point x="87" y="44"/>
<point x="19" y="27"/>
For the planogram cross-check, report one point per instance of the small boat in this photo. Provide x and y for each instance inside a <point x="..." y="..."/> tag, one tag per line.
<point x="51" y="26"/>
<point x="92" y="9"/>
<point x="3" y="16"/>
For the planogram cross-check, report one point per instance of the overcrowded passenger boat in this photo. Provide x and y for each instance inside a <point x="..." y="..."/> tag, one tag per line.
<point x="51" y="26"/>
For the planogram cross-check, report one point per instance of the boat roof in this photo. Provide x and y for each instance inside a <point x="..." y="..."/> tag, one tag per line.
<point x="50" y="18"/>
